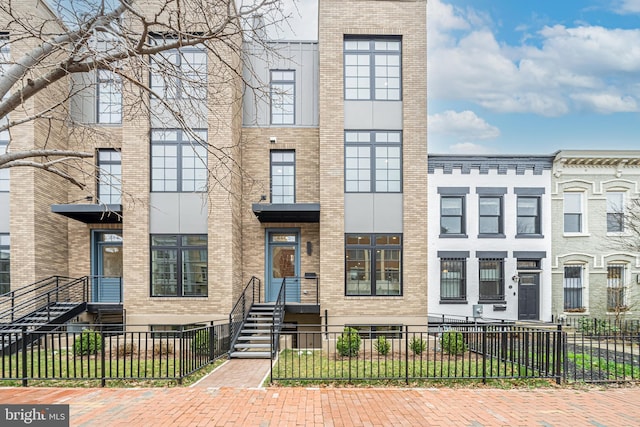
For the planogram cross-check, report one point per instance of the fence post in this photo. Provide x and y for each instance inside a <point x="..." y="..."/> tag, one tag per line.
<point x="23" y="333"/>
<point x="103" y="381"/>
<point x="484" y="354"/>
<point x="212" y="342"/>
<point x="559" y="353"/>
<point x="182" y="354"/>
<point x="406" y="356"/>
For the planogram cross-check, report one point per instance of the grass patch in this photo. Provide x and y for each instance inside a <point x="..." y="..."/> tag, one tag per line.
<point x="613" y="370"/>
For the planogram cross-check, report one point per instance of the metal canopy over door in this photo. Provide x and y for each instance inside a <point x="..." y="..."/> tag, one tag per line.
<point x="283" y="261"/>
<point x="529" y="296"/>
<point x="107" y="266"/>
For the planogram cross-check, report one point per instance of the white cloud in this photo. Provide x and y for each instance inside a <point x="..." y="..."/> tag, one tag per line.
<point x="562" y="69"/>
<point x="628" y="7"/>
<point x="464" y="126"/>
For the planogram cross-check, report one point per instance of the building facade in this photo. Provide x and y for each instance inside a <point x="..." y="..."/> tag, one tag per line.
<point x="595" y="271"/>
<point x="490" y="227"/>
<point x="313" y="171"/>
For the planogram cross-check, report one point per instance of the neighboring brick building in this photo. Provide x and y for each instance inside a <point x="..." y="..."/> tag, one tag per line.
<point x="326" y="182"/>
<point x="593" y="274"/>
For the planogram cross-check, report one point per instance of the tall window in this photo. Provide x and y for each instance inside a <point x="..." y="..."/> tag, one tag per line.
<point x="490" y="215"/>
<point x="453" y="279"/>
<point x="5" y="264"/>
<point x="109" y="97"/>
<point x="179" y="266"/>
<point x="615" y="212"/>
<point x="109" y="176"/>
<point x="4" y="173"/>
<point x="178" y="160"/>
<point x="573" y="212"/>
<point x="491" y="279"/>
<point x="180" y="73"/>
<point x="373" y="162"/>
<point x="283" y="97"/>
<point x="372" y="68"/>
<point x="573" y="286"/>
<point x="616" y="288"/>
<point x="452" y="215"/>
<point x="283" y="176"/>
<point x="373" y="264"/>
<point x="528" y="211"/>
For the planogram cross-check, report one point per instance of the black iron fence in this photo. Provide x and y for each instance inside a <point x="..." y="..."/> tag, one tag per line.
<point x="478" y="352"/>
<point x="127" y="354"/>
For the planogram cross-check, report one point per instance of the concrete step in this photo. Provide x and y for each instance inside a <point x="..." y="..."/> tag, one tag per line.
<point x="255" y="332"/>
<point x="250" y="355"/>
<point x="253" y="338"/>
<point x="250" y="346"/>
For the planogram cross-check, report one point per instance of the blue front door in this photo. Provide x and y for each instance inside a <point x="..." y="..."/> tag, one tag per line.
<point x="283" y="265"/>
<point x="107" y="266"/>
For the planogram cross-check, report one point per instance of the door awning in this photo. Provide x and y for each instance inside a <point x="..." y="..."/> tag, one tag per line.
<point x="287" y="212"/>
<point x="90" y="213"/>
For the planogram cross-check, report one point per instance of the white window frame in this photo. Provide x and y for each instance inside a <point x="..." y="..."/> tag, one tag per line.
<point x="615" y="210"/>
<point x="582" y="213"/>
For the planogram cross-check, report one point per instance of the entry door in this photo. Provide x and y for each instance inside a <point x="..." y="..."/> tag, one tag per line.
<point x="107" y="269"/>
<point x="283" y="262"/>
<point x="529" y="296"/>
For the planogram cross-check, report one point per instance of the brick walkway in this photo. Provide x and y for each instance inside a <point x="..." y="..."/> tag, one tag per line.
<point x="198" y="406"/>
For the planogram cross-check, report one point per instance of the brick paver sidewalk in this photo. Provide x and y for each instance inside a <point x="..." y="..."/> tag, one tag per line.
<point x="196" y="406"/>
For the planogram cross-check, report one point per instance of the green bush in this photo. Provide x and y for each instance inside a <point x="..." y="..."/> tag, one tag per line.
<point x="200" y="342"/>
<point x="417" y="345"/>
<point x="348" y="344"/>
<point x="89" y="342"/>
<point x="382" y="345"/>
<point x="453" y="343"/>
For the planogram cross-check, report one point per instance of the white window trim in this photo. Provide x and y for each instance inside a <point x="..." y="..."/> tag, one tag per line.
<point x="583" y="210"/>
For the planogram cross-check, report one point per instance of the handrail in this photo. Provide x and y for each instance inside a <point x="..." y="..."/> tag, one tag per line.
<point x="278" y="317"/>
<point x="241" y="308"/>
<point x="42" y="295"/>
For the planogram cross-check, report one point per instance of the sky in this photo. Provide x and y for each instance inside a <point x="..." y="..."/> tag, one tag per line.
<point x="526" y="77"/>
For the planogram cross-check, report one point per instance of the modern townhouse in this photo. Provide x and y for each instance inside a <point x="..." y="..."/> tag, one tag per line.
<point x="323" y="179"/>
<point x="593" y="273"/>
<point x="490" y="225"/>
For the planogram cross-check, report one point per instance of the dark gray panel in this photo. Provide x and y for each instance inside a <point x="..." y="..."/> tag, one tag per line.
<point x="530" y="254"/>
<point x="491" y="191"/>
<point x="453" y="254"/>
<point x="453" y="191"/>
<point x="491" y="254"/>
<point x="529" y="191"/>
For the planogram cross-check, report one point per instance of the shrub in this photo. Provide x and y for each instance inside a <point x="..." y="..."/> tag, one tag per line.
<point x="382" y="345"/>
<point x="89" y="342"/>
<point x="453" y="343"/>
<point x="200" y="342"/>
<point x="348" y="344"/>
<point x="128" y="349"/>
<point x="162" y="348"/>
<point x="417" y="345"/>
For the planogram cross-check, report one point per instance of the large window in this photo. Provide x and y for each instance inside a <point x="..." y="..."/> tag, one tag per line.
<point x="178" y="160"/>
<point x="616" y="288"/>
<point x="372" y="68"/>
<point x="453" y="279"/>
<point x="615" y="212"/>
<point x="283" y="97"/>
<point x="373" y="264"/>
<point x="490" y="211"/>
<point x="179" y="266"/>
<point x="573" y="287"/>
<point x="528" y="211"/>
<point x="109" y="176"/>
<point x="573" y="213"/>
<point x="180" y="73"/>
<point x="5" y="264"/>
<point x="452" y="215"/>
<point x="491" y="279"/>
<point x="283" y="176"/>
<point x="373" y="162"/>
<point x="109" y="97"/>
<point x="4" y="173"/>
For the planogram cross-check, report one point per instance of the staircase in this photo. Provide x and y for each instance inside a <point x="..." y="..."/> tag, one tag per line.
<point x="43" y="319"/>
<point x="254" y="341"/>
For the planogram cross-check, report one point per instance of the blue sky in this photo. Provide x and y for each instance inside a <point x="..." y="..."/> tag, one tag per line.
<point x="528" y="77"/>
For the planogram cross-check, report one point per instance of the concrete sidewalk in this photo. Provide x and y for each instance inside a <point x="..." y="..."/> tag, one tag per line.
<point x="197" y="406"/>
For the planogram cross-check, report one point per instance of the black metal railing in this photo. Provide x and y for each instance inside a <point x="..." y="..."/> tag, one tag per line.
<point x="278" y="318"/>
<point x="42" y="294"/>
<point x="480" y="352"/>
<point x="249" y="296"/>
<point x="125" y="355"/>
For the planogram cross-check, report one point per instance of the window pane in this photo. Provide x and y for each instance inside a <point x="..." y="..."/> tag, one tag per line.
<point x="388" y="272"/>
<point x="572" y="284"/>
<point x="572" y="202"/>
<point x="164" y="272"/>
<point x="451" y="225"/>
<point x="489" y="225"/>
<point x="194" y="273"/>
<point x="451" y="206"/>
<point x="491" y="280"/>
<point x="452" y="279"/>
<point x="489" y="206"/>
<point x="572" y="223"/>
<point x="358" y="272"/>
